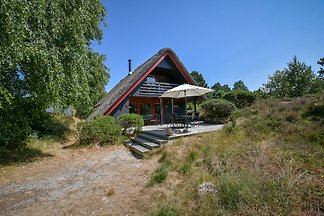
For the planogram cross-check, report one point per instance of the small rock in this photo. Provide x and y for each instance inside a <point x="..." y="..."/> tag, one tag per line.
<point x="110" y="191"/>
<point x="207" y="187"/>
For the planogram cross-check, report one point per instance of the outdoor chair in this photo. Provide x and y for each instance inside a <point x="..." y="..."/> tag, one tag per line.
<point x="147" y="119"/>
<point x="195" y="119"/>
<point x="155" y="120"/>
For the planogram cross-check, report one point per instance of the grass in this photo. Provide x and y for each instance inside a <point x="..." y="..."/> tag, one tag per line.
<point x="161" y="173"/>
<point x="164" y="211"/>
<point x="270" y="162"/>
<point x="54" y="132"/>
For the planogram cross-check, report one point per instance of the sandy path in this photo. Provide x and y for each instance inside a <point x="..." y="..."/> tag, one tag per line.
<point x="102" y="181"/>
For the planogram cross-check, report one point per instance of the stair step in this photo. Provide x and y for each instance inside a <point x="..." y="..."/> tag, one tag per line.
<point x="139" y="149"/>
<point x="146" y="143"/>
<point x="159" y="135"/>
<point x="154" y="139"/>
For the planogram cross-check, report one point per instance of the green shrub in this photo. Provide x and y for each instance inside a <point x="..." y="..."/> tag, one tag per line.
<point x="160" y="174"/>
<point x="164" y="211"/>
<point x="131" y="121"/>
<point x="315" y="111"/>
<point x="102" y="129"/>
<point x="240" y="98"/>
<point x="217" y="110"/>
<point x="229" y="194"/>
<point x="16" y="123"/>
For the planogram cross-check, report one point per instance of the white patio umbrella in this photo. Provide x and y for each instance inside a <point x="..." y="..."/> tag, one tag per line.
<point x="184" y="91"/>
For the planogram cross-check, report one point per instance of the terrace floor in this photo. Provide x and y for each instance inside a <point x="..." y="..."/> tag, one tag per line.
<point x="161" y="130"/>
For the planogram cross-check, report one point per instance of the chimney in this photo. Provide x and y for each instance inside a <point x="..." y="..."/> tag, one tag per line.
<point x="129" y="66"/>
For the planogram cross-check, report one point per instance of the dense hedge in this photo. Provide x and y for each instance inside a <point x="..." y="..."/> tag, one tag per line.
<point x="132" y="123"/>
<point x="217" y="110"/>
<point x="102" y="130"/>
<point x="240" y="98"/>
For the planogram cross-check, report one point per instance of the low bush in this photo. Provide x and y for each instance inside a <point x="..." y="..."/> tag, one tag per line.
<point x="240" y="98"/>
<point x="164" y="211"/>
<point x="132" y="123"/>
<point x="315" y="112"/>
<point x="102" y="129"/>
<point x="217" y="110"/>
<point x="229" y="194"/>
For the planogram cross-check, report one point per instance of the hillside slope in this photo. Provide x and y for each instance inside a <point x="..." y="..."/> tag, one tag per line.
<point x="269" y="161"/>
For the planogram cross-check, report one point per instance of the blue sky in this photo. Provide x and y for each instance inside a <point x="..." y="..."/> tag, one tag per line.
<point x="225" y="40"/>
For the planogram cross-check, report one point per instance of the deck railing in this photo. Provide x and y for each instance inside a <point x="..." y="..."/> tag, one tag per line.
<point x="155" y="89"/>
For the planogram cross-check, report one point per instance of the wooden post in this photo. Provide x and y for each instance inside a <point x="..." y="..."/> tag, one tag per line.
<point x="195" y="105"/>
<point x="172" y="111"/>
<point x="162" y="112"/>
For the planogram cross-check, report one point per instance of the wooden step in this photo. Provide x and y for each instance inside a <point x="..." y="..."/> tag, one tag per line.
<point x="160" y="135"/>
<point x="139" y="149"/>
<point x="154" y="139"/>
<point x="146" y="143"/>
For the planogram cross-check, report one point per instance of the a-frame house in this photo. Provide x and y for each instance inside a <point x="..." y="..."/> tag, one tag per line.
<point x="139" y="92"/>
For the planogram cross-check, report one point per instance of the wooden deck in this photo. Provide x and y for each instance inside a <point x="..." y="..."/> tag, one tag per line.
<point x="161" y="130"/>
<point x="154" y="136"/>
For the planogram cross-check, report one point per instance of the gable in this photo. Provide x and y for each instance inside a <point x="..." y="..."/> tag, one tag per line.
<point x="167" y="64"/>
<point x="164" y="59"/>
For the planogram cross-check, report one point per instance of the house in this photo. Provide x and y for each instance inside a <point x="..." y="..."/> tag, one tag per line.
<point x="139" y="92"/>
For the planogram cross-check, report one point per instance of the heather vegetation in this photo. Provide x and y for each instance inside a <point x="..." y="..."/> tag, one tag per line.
<point x="269" y="162"/>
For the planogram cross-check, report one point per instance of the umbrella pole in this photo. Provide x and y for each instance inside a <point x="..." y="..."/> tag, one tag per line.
<point x="186" y="117"/>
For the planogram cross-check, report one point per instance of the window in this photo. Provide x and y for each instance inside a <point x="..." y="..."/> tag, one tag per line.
<point x="145" y="108"/>
<point x="150" y="79"/>
<point x="132" y="108"/>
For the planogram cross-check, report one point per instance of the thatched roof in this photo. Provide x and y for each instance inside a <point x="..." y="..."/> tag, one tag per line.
<point x="128" y="82"/>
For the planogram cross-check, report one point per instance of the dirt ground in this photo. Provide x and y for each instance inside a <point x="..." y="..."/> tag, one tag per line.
<point x="97" y="181"/>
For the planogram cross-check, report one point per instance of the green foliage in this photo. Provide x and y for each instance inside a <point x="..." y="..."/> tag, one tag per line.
<point x="296" y="80"/>
<point x="261" y="93"/>
<point x="23" y="118"/>
<point x="321" y="71"/>
<point x="217" y="110"/>
<point x="240" y="98"/>
<point x="218" y="87"/>
<point x="164" y="211"/>
<point x="219" y="90"/>
<point x="229" y="193"/>
<point x="20" y="155"/>
<point x="46" y="60"/>
<point x="102" y="129"/>
<point x="11" y="137"/>
<point x="46" y="131"/>
<point x="161" y="173"/>
<point x="315" y="111"/>
<point x="269" y="164"/>
<point x="239" y="85"/>
<point x="131" y="121"/>
<point x="198" y="77"/>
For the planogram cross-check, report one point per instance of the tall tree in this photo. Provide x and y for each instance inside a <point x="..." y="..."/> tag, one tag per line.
<point x="277" y="85"/>
<point x="46" y="57"/>
<point x="239" y="85"/>
<point x="217" y="87"/>
<point x="295" y="80"/>
<point x="220" y="90"/>
<point x="321" y="71"/>
<point x="299" y="77"/>
<point x="198" y="77"/>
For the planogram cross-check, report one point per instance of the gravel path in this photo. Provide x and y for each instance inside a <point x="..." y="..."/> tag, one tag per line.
<point x="102" y="181"/>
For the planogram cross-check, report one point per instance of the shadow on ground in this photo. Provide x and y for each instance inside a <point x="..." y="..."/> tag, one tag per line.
<point x="21" y="155"/>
